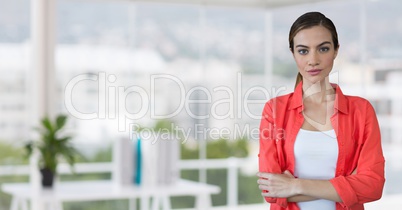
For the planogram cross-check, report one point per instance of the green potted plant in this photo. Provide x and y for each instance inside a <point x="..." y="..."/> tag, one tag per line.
<point x="52" y="146"/>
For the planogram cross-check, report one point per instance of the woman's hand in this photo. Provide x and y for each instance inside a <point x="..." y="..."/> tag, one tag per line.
<point x="277" y="185"/>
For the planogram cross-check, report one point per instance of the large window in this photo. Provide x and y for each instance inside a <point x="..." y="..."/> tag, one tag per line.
<point x="14" y="70"/>
<point x="176" y="52"/>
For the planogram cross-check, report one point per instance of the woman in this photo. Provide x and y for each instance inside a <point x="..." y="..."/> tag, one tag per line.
<point x="319" y="149"/>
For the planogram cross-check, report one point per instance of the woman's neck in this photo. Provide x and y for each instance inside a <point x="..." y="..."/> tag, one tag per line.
<point x="318" y="92"/>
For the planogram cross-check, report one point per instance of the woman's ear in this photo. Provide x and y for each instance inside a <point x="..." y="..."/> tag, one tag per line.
<point x="336" y="51"/>
<point x="291" y="50"/>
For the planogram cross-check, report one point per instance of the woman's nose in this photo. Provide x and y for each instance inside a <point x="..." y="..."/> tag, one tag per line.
<point x="313" y="59"/>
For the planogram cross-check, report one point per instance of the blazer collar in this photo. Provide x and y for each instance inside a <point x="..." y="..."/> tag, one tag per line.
<point x="340" y="99"/>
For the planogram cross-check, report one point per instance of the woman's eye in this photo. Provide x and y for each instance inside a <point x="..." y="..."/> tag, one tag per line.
<point x="324" y="49"/>
<point x="302" y="51"/>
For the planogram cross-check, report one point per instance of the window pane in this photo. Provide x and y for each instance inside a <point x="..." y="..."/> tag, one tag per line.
<point x="14" y="57"/>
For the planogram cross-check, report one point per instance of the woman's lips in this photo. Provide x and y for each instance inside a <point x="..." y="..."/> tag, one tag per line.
<point x="314" y="72"/>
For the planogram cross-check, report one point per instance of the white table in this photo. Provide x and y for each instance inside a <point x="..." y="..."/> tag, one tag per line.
<point x="106" y="190"/>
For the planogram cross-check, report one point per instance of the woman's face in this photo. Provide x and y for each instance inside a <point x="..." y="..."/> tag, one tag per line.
<point x="314" y="53"/>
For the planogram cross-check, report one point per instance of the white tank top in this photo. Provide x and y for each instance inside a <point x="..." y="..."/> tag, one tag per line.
<point x="316" y="155"/>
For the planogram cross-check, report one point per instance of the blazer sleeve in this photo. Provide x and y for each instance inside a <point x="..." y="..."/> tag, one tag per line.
<point x="367" y="184"/>
<point x="268" y="154"/>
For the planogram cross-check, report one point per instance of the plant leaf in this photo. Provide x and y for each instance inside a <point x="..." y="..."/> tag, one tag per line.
<point x="29" y="149"/>
<point x="60" y="121"/>
<point x="47" y="124"/>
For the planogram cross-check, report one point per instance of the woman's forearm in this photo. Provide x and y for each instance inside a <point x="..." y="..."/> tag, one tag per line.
<point x="301" y="198"/>
<point x="286" y="186"/>
<point x="321" y="189"/>
<point x="330" y="192"/>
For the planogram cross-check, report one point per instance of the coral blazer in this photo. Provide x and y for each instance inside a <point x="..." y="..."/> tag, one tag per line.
<point x="359" y="142"/>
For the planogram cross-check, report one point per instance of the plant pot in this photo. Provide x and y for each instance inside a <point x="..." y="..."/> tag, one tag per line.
<point x="47" y="177"/>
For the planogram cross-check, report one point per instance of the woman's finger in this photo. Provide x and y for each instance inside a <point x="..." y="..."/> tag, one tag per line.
<point x="263" y="182"/>
<point x="264" y="175"/>
<point x="263" y="187"/>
